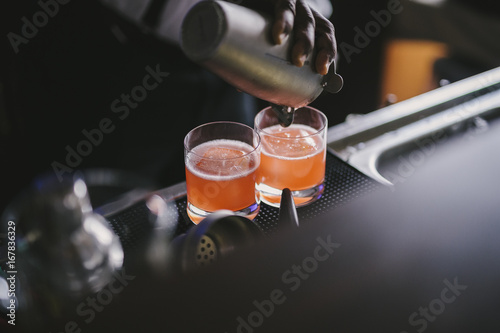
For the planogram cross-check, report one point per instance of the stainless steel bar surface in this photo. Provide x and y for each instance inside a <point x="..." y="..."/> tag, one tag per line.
<point x="362" y="140"/>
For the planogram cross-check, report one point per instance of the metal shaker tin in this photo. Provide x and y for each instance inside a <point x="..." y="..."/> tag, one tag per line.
<point x="235" y="43"/>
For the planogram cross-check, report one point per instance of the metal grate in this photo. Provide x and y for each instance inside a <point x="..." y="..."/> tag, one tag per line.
<point x="343" y="183"/>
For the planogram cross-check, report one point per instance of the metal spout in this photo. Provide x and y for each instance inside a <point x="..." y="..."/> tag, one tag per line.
<point x="284" y="114"/>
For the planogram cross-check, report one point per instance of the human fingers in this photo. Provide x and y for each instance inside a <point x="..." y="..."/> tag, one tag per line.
<point x="284" y="17"/>
<point x="325" y="43"/>
<point x="303" y="33"/>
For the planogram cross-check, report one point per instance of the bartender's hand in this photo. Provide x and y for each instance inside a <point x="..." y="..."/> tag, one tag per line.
<point x="310" y="28"/>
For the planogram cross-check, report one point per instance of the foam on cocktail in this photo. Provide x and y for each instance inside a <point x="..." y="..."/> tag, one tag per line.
<point x="294" y="142"/>
<point x="222" y="159"/>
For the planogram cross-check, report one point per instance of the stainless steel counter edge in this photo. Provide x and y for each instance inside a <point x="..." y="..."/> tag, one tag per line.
<point x="361" y="140"/>
<point x="169" y="193"/>
<point x="364" y="127"/>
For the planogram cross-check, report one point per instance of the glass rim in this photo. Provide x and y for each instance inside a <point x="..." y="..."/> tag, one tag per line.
<point x="254" y="149"/>
<point x="318" y="131"/>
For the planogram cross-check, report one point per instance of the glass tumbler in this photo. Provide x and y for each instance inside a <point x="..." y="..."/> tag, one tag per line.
<point x="292" y="157"/>
<point x="221" y="161"/>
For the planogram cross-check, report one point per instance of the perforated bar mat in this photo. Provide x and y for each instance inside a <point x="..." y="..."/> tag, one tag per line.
<point x="342" y="184"/>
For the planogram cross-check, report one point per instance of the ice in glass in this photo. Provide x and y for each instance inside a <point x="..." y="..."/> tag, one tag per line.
<point x="292" y="157"/>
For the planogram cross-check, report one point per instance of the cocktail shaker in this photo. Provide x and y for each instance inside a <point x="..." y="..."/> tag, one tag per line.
<point x="64" y="251"/>
<point x="235" y="43"/>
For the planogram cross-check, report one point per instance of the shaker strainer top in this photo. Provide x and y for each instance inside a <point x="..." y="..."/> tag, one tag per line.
<point x="206" y="251"/>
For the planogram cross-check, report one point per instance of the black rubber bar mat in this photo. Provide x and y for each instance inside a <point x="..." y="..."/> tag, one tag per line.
<point x="343" y="183"/>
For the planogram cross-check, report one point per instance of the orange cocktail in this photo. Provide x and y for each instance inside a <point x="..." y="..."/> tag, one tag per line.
<point x="221" y="174"/>
<point x="292" y="157"/>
